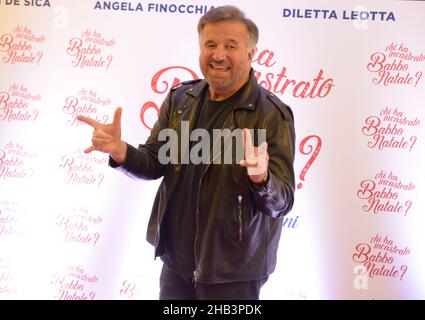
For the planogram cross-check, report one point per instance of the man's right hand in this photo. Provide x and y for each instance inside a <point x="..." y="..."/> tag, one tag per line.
<point x="107" y="137"/>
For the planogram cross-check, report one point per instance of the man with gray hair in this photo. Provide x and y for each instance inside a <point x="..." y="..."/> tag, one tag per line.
<point x="215" y="225"/>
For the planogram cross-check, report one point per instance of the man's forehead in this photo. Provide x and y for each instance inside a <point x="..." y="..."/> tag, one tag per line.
<point x="226" y="29"/>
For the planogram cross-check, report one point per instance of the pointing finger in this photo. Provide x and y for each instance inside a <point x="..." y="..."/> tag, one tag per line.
<point x="89" y="149"/>
<point x="89" y="121"/>
<point x="117" y="117"/>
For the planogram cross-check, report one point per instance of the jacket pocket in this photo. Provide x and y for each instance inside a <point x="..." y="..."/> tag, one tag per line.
<point x="234" y="228"/>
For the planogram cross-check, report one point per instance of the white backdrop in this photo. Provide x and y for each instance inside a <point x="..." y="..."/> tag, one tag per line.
<point x="72" y="228"/>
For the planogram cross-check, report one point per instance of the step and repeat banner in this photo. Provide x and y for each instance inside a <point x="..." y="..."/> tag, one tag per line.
<point x="72" y="228"/>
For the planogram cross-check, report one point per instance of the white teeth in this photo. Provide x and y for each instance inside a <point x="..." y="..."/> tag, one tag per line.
<point x="219" y="67"/>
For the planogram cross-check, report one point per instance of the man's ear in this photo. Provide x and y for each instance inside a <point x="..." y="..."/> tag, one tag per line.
<point x="252" y="52"/>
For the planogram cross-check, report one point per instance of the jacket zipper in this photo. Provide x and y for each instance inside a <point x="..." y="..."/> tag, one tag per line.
<point x="195" y="273"/>
<point x="240" y="222"/>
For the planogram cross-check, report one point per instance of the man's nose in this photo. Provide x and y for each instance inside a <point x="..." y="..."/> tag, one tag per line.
<point x="219" y="54"/>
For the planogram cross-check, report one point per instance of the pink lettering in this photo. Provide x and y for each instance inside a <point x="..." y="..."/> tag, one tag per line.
<point x="264" y="58"/>
<point x="319" y="87"/>
<point x="4" y="98"/>
<point x="76" y="48"/>
<point x="362" y="255"/>
<point x="381" y="142"/>
<point x="13" y="57"/>
<point x="377" y="206"/>
<point x="383" y="271"/>
<point x="156" y="78"/>
<point x="6" y="42"/>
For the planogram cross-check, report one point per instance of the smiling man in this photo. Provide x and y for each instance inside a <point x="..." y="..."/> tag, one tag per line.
<point x="216" y="226"/>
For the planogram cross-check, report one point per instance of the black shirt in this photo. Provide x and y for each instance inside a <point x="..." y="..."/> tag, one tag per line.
<point x="180" y="220"/>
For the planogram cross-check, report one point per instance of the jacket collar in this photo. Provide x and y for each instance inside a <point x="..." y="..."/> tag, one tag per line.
<point x="248" y="97"/>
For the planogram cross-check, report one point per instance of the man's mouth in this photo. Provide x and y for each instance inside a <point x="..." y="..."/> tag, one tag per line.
<point x="219" y="68"/>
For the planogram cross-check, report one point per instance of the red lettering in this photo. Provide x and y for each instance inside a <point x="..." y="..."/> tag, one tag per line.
<point x="371" y="127"/>
<point x="367" y="188"/>
<point x="156" y="78"/>
<point x="5" y="42"/>
<point x="146" y="106"/>
<point x="319" y="87"/>
<point x="378" y="63"/>
<point x="4" y="98"/>
<point x="72" y="102"/>
<point x="74" y="46"/>
<point x="264" y="58"/>
<point x="362" y="255"/>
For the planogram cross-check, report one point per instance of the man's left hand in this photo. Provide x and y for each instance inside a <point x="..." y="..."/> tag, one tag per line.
<point x="256" y="159"/>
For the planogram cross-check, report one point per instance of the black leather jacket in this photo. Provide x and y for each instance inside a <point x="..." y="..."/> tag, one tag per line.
<point x="237" y="240"/>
